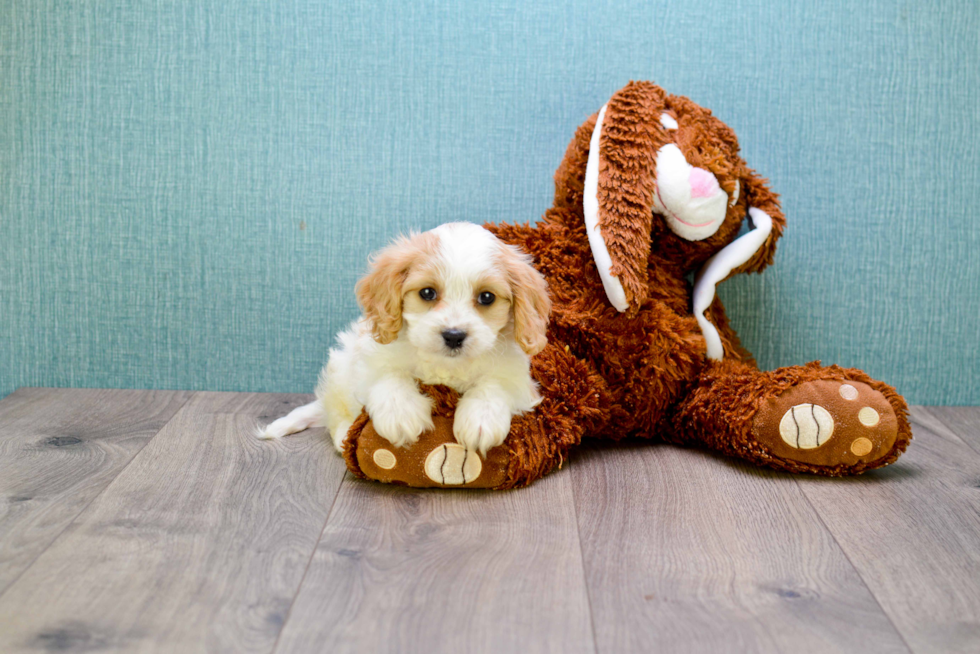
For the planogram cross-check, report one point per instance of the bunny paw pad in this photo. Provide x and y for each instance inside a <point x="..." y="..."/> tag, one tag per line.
<point x="827" y="423"/>
<point x="435" y="460"/>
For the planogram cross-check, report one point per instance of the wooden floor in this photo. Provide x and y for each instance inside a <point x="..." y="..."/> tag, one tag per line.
<point x="153" y="521"/>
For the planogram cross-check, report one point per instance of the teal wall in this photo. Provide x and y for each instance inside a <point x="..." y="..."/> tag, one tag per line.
<point x="188" y="190"/>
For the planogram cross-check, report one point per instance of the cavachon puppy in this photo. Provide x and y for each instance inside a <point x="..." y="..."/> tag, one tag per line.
<point x="453" y="306"/>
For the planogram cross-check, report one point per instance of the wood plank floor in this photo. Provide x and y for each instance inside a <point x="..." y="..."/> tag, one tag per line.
<point x="154" y="521"/>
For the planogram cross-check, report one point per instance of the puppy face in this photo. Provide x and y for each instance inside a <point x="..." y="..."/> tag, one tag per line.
<point x="453" y="291"/>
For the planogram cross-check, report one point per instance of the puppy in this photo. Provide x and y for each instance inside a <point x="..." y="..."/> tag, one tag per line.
<point x="452" y="306"/>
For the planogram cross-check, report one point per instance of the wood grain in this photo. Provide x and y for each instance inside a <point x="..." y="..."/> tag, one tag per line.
<point x="964" y="421"/>
<point x="201" y="538"/>
<point x="409" y="570"/>
<point x="59" y="449"/>
<point x="198" y="545"/>
<point x="913" y="532"/>
<point x="687" y="552"/>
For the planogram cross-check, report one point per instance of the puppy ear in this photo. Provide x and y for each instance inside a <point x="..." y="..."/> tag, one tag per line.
<point x="758" y="196"/>
<point x="529" y="300"/>
<point x="619" y="190"/>
<point x="380" y="291"/>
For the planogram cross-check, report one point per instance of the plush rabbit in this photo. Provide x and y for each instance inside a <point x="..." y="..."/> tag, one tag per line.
<point x="651" y="190"/>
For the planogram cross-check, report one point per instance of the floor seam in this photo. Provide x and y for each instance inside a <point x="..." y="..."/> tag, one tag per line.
<point x="856" y="570"/>
<point x="96" y="496"/>
<point x="969" y="444"/>
<point x="581" y="554"/>
<point x="347" y="476"/>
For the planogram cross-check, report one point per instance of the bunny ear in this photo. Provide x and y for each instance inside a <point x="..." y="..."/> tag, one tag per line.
<point x="750" y="252"/>
<point x="619" y="189"/>
<point x="721" y="266"/>
<point x="759" y="196"/>
<point x="590" y="207"/>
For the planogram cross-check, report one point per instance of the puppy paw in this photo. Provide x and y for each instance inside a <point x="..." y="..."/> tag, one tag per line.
<point x="400" y="418"/>
<point x="480" y="425"/>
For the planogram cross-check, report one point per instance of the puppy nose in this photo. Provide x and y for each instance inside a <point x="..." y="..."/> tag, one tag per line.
<point x="703" y="183"/>
<point x="454" y="338"/>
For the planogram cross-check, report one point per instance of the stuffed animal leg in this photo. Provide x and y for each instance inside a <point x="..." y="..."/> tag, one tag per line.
<point x="825" y="420"/>
<point x="538" y="441"/>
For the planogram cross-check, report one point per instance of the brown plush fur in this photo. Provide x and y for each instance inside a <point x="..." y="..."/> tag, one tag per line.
<point x="644" y="373"/>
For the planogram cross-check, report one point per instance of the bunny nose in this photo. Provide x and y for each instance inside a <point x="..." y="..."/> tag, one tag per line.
<point x="703" y="183"/>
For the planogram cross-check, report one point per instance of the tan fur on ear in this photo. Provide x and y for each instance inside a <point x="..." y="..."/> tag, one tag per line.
<point x="380" y="291"/>
<point x="758" y="195"/>
<point x="529" y="297"/>
<point x="631" y="136"/>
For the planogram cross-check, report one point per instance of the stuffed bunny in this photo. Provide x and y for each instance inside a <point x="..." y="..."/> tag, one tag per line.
<point x="652" y="190"/>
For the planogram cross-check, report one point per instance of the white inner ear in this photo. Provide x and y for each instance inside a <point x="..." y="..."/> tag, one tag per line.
<point x="668" y="121"/>
<point x="590" y="207"/>
<point x="720" y="266"/>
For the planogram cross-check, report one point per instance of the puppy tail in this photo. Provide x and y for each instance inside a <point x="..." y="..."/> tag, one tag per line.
<point x="300" y="418"/>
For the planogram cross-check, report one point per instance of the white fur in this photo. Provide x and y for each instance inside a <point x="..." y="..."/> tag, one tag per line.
<point x="691" y="218"/>
<point x="298" y="419"/>
<point x="490" y="371"/>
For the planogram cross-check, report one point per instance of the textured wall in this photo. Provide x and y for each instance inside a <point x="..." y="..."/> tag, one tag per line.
<point x="188" y="190"/>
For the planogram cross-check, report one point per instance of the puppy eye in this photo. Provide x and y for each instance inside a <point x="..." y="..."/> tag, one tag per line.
<point x="428" y="294"/>
<point x="486" y="298"/>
